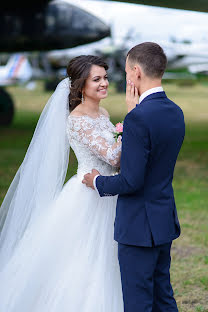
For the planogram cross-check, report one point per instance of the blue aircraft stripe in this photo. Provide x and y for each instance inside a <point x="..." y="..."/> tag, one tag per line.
<point x="13" y="67"/>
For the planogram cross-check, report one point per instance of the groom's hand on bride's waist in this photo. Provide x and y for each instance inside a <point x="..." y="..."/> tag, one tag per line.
<point x="89" y="178"/>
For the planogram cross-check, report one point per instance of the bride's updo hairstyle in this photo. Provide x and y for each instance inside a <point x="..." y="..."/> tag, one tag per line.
<point x="78" y="71"/>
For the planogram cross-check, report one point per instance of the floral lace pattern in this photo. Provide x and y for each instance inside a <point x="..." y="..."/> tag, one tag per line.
<point x="93" y="143"/>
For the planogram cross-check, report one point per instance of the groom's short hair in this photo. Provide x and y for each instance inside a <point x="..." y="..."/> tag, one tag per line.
<point x="150" y="56"/>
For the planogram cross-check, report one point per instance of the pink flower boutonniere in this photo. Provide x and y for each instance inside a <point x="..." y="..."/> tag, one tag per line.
<point x="119" y="130"/>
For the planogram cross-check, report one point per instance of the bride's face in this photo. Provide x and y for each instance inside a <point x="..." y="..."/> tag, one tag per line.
<point x="96" y="85"/>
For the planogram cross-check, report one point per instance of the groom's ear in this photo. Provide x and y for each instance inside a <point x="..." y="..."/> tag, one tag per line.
<point x="137" y="70"/>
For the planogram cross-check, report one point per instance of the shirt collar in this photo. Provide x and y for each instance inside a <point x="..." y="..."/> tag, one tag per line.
<point x="150" y="91"/>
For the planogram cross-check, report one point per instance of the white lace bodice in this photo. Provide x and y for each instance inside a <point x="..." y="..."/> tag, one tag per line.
<point x="93" y="143"/>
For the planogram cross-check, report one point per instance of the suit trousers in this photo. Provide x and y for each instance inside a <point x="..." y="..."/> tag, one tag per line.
<point x="145" y="277"/>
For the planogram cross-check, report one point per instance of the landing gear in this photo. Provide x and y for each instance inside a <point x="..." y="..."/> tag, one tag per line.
<point x="6" y="108"/>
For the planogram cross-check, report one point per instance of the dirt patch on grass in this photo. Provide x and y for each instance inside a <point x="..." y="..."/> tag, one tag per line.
<point x="188" y="164"/>
<point x="186" y="251"/>
<point x="192" y="168"/>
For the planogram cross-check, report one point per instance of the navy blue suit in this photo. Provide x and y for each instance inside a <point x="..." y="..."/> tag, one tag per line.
<point x="146" y="218"/>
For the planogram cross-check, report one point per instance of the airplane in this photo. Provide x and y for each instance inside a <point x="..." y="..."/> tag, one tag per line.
<point x="17" y="69"/>
<point x="114" y="48"/>
<point x="191" y="56"/>
<point x="43" y="25"/>
<point x="44" y="19"/>
<point x="54" y="25"/>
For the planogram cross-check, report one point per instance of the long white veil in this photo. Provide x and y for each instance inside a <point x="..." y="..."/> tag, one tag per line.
<point x="41" y="175"/>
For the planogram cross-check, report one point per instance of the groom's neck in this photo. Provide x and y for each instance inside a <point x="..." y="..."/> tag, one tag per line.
<point x="149" y="84"/>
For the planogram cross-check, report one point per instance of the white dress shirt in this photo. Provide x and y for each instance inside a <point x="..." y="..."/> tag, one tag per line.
<point x="94" y="182"/>
<point x="141" y="98"/>
<point x="150" y="91"/>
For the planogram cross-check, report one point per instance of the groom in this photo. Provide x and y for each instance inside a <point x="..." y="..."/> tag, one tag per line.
<point x="146" y="218"/>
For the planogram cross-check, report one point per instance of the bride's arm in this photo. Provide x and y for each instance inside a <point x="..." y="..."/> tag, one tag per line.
<point x="110" y="153"/>
<point x="83" y="130"/>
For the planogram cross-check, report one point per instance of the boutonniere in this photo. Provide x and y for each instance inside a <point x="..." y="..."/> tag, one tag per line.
<point x="119" y="130"/>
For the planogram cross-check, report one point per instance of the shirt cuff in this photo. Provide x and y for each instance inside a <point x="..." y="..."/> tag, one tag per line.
<point x="94" y="183"/>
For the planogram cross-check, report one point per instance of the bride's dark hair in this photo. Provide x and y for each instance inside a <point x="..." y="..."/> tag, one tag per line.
<point x="78" y="71"/>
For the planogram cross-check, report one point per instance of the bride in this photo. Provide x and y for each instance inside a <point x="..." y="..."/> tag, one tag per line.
<point x="57" y="252"/>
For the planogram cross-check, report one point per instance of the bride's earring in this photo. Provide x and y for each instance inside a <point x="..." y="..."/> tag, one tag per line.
<point x="82" y="99"/>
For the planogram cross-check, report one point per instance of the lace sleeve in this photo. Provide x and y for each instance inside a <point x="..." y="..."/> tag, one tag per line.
<point x="83" y="130"/>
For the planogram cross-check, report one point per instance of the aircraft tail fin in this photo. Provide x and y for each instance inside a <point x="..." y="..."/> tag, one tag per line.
<point x="18" y="68"/>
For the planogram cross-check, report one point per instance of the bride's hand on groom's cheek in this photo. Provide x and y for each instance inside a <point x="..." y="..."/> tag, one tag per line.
<point x="131" y="95"/>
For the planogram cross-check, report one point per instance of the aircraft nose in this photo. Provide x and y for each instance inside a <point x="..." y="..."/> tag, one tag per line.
<point x="89" y="25"/>
<point x="73" y="25"/>
<point x="104" y="30"/>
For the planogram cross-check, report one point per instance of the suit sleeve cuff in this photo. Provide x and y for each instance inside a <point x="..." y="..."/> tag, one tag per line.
<point x="94" y="183"/>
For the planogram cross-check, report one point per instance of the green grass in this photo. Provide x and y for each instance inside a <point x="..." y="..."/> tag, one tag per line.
<point x="189" y="270"/>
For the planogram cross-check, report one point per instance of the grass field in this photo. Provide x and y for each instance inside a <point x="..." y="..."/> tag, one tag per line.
<point x="189" y="270"/>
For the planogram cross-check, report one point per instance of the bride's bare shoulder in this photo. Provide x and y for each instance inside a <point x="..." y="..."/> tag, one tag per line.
<point x="104" y="111"/>
<point x="77" y="113"/>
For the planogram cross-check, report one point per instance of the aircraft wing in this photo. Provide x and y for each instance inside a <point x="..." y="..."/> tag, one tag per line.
<point x="192" y="5"/>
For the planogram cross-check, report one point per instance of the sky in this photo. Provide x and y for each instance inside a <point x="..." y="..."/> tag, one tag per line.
<point x="148" y="23"/>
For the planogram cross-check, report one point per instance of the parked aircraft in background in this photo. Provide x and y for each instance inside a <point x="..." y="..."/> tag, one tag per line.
<point x="181" y="55"/>
<point x="190" y="56"/>
<point x="17" y="70"/>
<point x="54" y="25"/>
<point x="41" y="25"/>
<point x="44" y="25"/>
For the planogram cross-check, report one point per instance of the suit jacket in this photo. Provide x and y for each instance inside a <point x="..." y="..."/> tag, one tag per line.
<point x="152" y="137"/>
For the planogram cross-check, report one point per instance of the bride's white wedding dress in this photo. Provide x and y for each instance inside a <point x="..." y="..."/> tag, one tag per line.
<point x="67" y="260"/>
